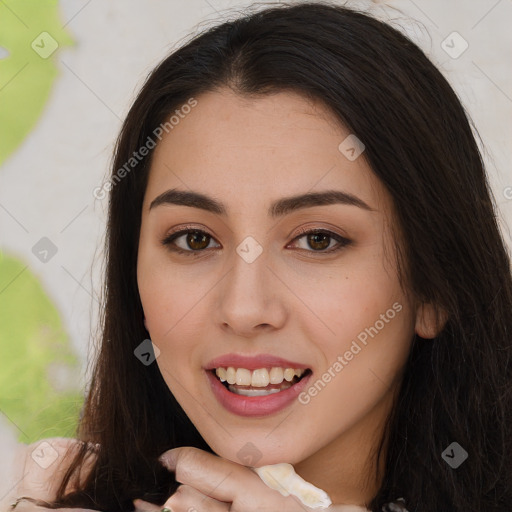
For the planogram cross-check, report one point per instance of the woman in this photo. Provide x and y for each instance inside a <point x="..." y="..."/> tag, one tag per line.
<point x="301" y="224"/>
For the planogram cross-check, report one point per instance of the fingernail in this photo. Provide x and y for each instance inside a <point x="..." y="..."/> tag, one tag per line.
<point x="166" y="510"/>
<point x="168" y="459"/>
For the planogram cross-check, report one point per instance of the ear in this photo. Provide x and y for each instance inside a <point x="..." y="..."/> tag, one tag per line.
<point x="428" y="324"/>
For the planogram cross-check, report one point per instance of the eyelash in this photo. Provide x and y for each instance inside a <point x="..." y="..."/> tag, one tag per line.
<point x="167" y="241"/>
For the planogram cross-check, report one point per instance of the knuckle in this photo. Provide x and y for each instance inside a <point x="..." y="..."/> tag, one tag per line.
<point x="186" y="463"/>
<point x="188" y="453"/>
<point x="180" y="493"/>
<point x="180" y="498"/>
<point x="184" y="472"/>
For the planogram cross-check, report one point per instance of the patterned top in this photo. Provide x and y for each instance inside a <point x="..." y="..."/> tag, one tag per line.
<point x="395" y="506"/>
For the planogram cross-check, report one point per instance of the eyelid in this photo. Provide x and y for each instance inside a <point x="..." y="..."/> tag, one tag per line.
<point x="341" y="240"/>
<point x="313" y="229"/>
<point x="189" y="227"/>
<point x="181" y="231"/>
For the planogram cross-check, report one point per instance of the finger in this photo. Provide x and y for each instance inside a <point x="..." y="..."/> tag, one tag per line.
<point x="188" y="499"/>
<point x="227" y="481"/>
<point x="145" y="506"/>
<point x="213" y="476"/>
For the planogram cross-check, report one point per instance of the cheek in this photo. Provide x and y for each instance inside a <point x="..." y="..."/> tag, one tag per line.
<point x="165" y="294"/>
<point x="358" y="375"/>
<point x="168" y="314"/>
<point x="171" y="320"/>
<point x="342" y="305"/>
<point x="362" y="316"/>
<point x="158" y="306"/>
<point x="172" y="308"/>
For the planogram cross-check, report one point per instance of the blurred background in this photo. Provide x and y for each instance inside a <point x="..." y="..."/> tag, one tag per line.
<point x="69" y="71"/>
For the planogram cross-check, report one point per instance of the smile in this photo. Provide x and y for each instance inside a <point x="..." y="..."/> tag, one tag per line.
<point x="263" y="399"/>
<point x="259" y="382"/>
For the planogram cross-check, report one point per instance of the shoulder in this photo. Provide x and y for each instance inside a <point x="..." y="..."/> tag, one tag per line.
<point x="39" y="468"/>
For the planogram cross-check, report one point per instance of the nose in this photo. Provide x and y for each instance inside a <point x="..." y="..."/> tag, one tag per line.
<point x="251" y="299"/>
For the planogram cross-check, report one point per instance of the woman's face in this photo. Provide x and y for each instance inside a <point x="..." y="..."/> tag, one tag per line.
<point x="250" y="291"/>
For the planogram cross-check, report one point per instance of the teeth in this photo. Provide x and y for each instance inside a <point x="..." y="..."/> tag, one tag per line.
<point x="221" y="373"/>
<point x="276" y="375"/>
<point x="259" y="378"/>
<point x="243" y="377"/>
<point x="289" y="373"/>
<point x="231" y="375"/>
<point x="253" y="392"/>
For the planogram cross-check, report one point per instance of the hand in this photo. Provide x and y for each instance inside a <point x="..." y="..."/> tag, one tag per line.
<point x="211" y="483"/>
<point x="29" y="506"/>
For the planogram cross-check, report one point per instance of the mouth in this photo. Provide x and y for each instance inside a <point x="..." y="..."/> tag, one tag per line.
<point x="259" y="382"/>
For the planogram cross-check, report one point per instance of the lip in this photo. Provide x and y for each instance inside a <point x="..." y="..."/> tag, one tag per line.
<point x="255" y="405"/>
<point x="252" y="362"/>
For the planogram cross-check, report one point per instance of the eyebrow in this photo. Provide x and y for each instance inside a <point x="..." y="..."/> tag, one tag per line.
<point x="278" y="208"/>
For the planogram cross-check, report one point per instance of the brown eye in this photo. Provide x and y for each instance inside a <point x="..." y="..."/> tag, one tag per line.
<point x="320" y="240"/>
<point x="193" y="241"/>
<point x="196" y="240"/>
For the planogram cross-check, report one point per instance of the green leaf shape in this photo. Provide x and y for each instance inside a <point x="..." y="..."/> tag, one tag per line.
<point x="26" y="77"/>
<point x="34" y="350"/>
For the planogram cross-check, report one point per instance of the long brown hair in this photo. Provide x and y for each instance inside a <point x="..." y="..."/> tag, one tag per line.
<point x="419" y="143"/>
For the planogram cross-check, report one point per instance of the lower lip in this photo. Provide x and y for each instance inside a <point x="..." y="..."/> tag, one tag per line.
<point x="255" y="405"/>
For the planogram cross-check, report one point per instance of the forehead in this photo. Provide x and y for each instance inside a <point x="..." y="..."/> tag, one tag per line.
<point x="253" y="149"/>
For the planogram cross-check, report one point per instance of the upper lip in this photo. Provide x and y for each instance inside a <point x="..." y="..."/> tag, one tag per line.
<point x="252" y="362"/>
